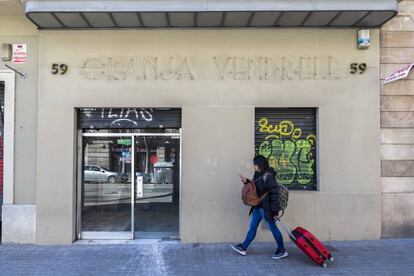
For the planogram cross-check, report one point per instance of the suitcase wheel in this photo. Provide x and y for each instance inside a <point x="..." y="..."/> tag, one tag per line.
<point x="331" y="258"/>
<point x="324" y="265"/>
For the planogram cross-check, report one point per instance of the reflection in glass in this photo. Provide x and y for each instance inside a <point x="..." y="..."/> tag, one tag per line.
<point x="157" y="187"/>
<point x="106" y="185"/>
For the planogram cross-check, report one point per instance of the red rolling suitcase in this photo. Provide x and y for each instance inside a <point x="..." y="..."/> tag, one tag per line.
<point x="310" y="245"/>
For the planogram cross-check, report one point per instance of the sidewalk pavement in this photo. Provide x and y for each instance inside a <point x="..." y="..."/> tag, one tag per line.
<point x="383" y="257"/>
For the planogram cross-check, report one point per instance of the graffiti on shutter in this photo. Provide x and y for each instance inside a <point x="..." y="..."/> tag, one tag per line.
<point x="287" y="138"/>
<point x="131" y="118"/>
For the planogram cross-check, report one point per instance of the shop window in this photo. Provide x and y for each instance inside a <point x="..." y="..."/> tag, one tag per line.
<point x="287" y="138"/>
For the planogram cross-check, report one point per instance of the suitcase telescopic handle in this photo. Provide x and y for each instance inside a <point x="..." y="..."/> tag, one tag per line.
<point x="291" y="236"/>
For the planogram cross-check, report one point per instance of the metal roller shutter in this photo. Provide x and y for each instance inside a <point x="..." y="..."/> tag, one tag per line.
<point x="2" y="89"/>
<point x="122" y="118"/>
<point x="287" y="138"/>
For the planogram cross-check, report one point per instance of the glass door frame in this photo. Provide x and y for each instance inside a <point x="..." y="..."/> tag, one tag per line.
<point x="115" y="235"/>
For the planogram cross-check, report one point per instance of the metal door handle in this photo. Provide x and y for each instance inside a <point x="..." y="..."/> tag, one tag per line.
<point x="140" y="182"/>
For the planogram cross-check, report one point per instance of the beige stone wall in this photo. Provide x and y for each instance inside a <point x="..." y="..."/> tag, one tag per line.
<point x="17" y="29"/>
<point x="348" y="123"/>
<point x="397" y="126"/>
<point x="218" y="122"/>
<point x="19" y="215"/>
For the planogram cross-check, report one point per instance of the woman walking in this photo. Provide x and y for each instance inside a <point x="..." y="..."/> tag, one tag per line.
<point x="266" y="186"/>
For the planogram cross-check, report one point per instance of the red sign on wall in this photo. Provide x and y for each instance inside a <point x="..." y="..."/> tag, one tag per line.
<point x="19" y="54"/>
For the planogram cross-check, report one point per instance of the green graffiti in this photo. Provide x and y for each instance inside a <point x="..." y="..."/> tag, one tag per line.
<point x="277" y="150"/>
<point x="265" y="149"/>
<point x="303" y="161"/>
<point x="285" y="173"/>
<point x="291" y="157"/>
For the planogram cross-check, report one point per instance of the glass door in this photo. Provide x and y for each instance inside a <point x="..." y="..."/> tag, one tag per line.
<point x="157" y="172"/>
<point x="107" y="188"/>
<point x="129" y="185"/>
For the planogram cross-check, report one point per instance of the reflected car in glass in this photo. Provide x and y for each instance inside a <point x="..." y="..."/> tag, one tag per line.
<point x="100" y="174"/>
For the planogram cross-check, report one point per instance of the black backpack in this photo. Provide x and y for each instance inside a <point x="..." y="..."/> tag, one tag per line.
<point x="283" y="193"/>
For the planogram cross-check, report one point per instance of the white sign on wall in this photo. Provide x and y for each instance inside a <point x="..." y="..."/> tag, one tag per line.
<point x="400" y="74"/>
<point x="19" y="54"/>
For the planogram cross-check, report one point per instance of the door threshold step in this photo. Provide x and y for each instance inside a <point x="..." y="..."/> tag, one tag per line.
<point x="131" y="242"/>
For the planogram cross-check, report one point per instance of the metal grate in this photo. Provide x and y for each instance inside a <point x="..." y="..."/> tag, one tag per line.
<point x="129" y="118"/>
<point x="287" y="138"/>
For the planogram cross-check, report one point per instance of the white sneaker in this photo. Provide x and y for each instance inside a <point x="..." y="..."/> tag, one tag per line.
<point x="239" y="249"/>
<point x="280" y="254"/>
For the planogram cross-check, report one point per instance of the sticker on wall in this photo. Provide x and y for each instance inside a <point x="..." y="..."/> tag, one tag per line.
<point x="400" y="74"/>
<point x="19" y="54"/>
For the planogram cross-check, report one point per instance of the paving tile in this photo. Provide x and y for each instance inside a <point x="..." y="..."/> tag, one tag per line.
<point x="382" y="257"/>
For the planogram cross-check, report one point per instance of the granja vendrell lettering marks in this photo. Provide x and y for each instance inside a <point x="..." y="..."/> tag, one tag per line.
<point x="146" y="68"/>
<point x="275" y="68"/>
<point x="262" y="68"/>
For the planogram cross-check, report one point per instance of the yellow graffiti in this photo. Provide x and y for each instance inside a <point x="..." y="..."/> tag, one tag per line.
<point x="311" y="138"/>
<point x="284" y="128"/>
<point x="272" y="137"/>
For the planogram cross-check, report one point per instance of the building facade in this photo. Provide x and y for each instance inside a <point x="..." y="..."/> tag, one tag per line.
<point x="128" y="131"/>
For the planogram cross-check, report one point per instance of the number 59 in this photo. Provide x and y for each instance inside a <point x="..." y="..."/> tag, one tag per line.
<point x="358" y="67"/>
<point x="59" y="68"/>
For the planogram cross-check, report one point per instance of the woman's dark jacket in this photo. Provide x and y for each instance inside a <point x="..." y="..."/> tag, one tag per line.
<point x="264" y="182"/>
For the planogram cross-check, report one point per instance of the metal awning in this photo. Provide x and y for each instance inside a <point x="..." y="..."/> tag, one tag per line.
<point x="106" y="14"/>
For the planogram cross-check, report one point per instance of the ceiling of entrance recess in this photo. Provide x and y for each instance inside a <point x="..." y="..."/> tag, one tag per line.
<point x="106" y="14"/>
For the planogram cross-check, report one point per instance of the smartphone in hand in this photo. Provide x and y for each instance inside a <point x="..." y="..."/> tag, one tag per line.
<point x="243" y="179"/>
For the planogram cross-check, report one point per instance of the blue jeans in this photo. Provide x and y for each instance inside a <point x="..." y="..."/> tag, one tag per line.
<point x="257" y="215"/>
